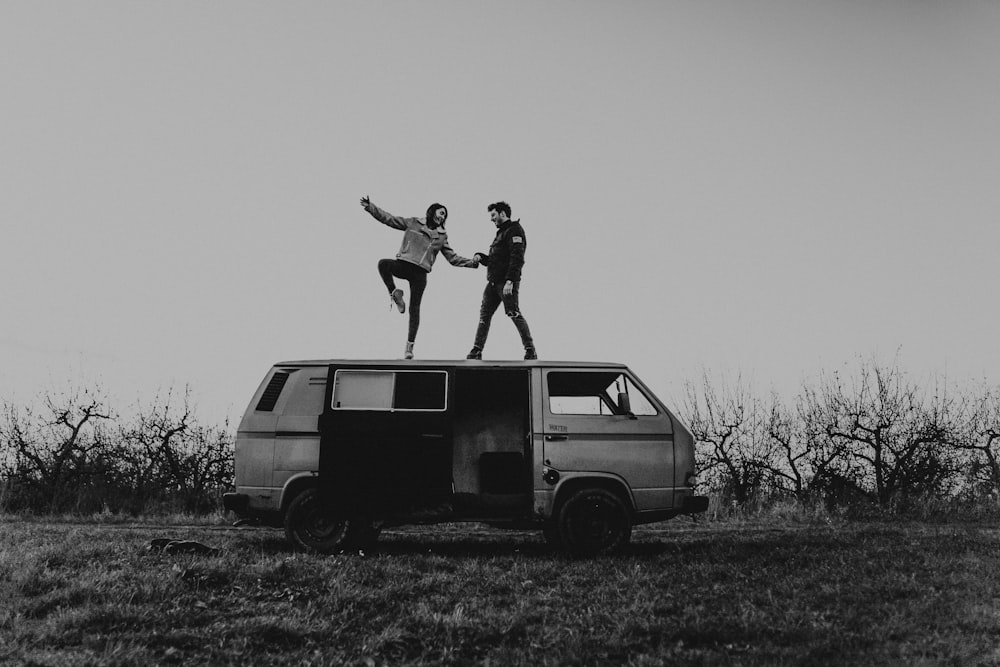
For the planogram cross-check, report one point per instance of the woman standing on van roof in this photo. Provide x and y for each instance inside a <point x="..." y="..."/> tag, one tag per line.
<point x="423" y="239"/>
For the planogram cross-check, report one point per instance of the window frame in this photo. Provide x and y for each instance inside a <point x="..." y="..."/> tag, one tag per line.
<point x="394" y="372"/>
<point x="604" y="397"/>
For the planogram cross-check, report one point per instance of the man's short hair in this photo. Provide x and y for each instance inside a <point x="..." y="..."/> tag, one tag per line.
<point x="499" y="207"/>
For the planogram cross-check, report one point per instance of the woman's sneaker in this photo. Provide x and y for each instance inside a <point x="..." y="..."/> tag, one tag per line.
<point x="397" y="298"/>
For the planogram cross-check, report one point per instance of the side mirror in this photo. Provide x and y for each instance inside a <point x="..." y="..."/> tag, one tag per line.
<point x="625" y="405"/>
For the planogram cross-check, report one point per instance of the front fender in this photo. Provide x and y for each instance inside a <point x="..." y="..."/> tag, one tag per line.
<point x="547" y="501"/>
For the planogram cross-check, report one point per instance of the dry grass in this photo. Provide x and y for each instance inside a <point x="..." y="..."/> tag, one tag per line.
<point x="749" y="594"/>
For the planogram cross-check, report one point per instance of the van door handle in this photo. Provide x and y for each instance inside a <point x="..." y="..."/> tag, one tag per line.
<point x="550" y="438"/>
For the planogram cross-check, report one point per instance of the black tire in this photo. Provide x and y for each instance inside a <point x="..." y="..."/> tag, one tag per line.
<point x="594" y="522"/>
<point x="310" y="527"/>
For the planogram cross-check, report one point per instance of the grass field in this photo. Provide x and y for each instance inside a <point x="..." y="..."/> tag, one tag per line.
<point x="682" y="593"/>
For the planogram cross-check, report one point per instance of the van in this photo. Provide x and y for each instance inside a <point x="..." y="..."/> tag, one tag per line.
<point x="335" y="450"/>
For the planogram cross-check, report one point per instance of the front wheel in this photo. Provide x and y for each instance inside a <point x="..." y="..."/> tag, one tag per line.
<point x="594" y="522"/>
<point x="309" y="525"/>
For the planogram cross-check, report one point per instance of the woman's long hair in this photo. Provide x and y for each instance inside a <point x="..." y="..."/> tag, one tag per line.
<point x="430" y="214"/>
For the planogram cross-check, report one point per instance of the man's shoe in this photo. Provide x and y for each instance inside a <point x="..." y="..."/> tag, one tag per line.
<point x="397" y="298"/>
<point x="530" y="354"/>
<point x="475" y="354"/>
<point x="409" y="351"/>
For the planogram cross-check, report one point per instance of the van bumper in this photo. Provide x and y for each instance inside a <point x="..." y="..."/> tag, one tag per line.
<point x="236" y="502"/>
<point x="694" y="504"/>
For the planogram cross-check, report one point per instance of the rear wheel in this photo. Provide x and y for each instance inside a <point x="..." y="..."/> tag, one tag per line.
<point x="593" y="522"/>
<point x="310" y="526"/>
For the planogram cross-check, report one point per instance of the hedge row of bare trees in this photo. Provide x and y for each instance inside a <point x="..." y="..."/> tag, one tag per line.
<point x="874" y="437"/>
<point x="74" y="453"/>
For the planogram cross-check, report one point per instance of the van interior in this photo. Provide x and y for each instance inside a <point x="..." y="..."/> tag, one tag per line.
<point x="491" y="445"/>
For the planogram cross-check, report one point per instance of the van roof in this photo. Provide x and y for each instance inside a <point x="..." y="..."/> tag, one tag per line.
<point x="457" y="363"/>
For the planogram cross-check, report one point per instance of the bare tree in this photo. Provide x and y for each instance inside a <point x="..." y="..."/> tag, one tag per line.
<point x="790" y="452"/>
<point x="730" y="426"/>
<point x="980" y="438"/>
<point x="208" y="467"/>
<point x="53" y="450"/>
<point x="74" y="453"/>
<point x="881" y="431"/>
<point x="169" y="453"/>
<point x="834" y="474"/>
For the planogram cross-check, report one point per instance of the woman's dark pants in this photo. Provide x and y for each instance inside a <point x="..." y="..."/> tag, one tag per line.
<point x="416" y="276"/>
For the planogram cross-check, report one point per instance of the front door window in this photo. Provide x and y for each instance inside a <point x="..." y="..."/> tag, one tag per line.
<point x="595" y="393"/>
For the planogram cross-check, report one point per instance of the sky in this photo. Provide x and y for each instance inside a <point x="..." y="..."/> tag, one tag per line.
<point x="770" y="189"/>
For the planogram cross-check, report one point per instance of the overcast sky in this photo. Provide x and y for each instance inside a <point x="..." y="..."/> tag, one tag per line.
<point x="767" y="188"/>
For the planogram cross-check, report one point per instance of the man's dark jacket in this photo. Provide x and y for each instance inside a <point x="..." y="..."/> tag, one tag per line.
<point x="506" y="256"/>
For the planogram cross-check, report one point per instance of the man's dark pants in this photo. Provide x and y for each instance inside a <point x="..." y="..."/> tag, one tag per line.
<point x="493" y="296"/>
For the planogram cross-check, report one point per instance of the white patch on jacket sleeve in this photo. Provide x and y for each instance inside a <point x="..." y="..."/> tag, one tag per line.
<point x="517" y="239"/>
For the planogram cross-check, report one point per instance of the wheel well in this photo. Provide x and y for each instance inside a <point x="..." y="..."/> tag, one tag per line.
<point x="571" y="486"/>
<point x="294" y="487"/>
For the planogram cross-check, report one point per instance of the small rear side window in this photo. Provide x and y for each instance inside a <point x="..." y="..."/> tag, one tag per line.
<point x="390" y="390"/>
<point x="271" y="393"/>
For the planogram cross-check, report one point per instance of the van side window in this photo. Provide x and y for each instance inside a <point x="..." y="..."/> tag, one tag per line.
<point x="390" y="390"/>
<point x="595" y="393"/>
<point x="269" y="397"/>
<point x="420" y="391"/>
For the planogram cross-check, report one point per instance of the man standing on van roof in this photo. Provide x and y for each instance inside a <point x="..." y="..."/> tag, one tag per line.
<point x="503" y="278"/>
<point x="423" y="238"/>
